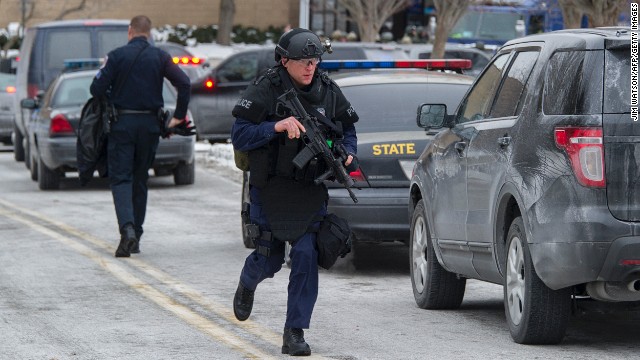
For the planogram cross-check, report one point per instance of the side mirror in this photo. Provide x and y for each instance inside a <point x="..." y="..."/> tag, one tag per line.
<point x="431" y="116"/>
<point x="29" y="103"/>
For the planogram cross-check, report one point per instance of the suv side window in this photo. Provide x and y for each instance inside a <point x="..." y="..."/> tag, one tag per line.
<point x="243" y="67"/>
<point x="478" y="102"/>
<point x="510" y="94"/>
<point x="573" y="83"/>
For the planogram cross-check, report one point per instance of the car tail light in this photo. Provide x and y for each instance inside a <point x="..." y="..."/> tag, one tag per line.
<point x="357" y="175"/>
<point x="586" y="153"/>
<point x="10" y="89"/>
<point x="60" y="126"/>
<point x="185" y="60"/>
<point x="32" y="90"/>
<point x="209" y="84"/>
<point x="630" y="262"/>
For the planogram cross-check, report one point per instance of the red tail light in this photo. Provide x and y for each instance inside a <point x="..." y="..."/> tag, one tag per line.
<point x="584" y="147"/>
<point x="357" y="175"/>
<point x="60" y="126"/>
<point x="209" y="84"/>
<point x="630" y="262"/>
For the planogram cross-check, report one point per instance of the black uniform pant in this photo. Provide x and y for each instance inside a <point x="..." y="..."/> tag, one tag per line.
<point x="132" y="146"/>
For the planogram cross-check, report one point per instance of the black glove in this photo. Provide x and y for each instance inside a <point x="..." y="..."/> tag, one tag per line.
<point x="185" y="128"/>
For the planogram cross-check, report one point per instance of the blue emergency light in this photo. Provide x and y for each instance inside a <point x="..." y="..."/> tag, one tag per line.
<point x="83" y="63"/>
<point x="429" y="64"/>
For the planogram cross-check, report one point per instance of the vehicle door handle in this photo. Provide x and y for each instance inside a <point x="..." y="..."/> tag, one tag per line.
<point x="460" y="147"/>
<point x="504" y="141"/>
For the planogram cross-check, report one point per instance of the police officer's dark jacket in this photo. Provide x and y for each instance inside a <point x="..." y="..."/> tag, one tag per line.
<point x="142" y="90"/>
<point x="258" y="105"/>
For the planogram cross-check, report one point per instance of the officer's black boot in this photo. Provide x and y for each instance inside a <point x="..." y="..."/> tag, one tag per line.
<point x="127" y="239"/>
<point x="293" y="342"/>
<point x="243" y="302"/>
<point x="135" y="248"/>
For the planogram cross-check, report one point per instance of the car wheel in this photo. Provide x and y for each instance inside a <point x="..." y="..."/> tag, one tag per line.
<point x="535" y="313"/>
<point x="184" y="174"/>
<point x="47" y="179"/>
<point x="18" y="148"/>
<point x="27" y="153"/>
<point x="34" y="168"/>
<point x="248" y="243"/>
<point x="433" y="286"/>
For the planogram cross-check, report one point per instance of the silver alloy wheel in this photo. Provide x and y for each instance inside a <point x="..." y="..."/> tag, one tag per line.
<point x="515" y="280"/>
<point x="419" y="254"/>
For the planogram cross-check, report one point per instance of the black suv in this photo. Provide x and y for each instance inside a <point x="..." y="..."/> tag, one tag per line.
<point x="534" y="183"/>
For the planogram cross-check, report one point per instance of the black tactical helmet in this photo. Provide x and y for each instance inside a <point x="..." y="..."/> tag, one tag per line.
<point x="299" y="44"/>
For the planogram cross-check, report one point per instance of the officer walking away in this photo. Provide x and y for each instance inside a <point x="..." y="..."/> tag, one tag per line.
<point x="286" y="204"/>
<point x="132" y="77"/>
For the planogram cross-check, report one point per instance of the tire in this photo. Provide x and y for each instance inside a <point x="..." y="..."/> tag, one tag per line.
<point x="47" y="179"/>
<point x="184" y="174"/>
<point x="34" y="169"/>
<point x="535" y="314"/>
<point x="27" y="154"/>
<point x="248" y="243"/>
<point x="433" y="286"/>
<point x="18" y="148"/>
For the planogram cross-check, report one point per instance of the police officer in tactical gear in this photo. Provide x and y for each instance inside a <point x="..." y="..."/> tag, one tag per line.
<point x="286" y="204"/>
<point x="132" y="77"/>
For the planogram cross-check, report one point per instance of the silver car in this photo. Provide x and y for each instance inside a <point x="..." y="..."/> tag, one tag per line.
<point x="7" y="114"/>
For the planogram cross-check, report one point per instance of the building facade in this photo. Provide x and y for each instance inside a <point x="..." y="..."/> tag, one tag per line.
<point x="258" y="13"/>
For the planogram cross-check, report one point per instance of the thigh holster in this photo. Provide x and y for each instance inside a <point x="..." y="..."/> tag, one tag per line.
<point x="258" y="237"/>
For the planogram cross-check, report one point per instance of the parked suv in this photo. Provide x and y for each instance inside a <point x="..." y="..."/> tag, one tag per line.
<point x="533" y="183"/>
<point x="44" y="49"/>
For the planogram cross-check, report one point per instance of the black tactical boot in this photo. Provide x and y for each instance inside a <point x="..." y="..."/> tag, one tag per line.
<point x="135" y="248"/>
<point x="243" y="302"/>
<point x="127" y="239"/>
<point x="293" y="342"/>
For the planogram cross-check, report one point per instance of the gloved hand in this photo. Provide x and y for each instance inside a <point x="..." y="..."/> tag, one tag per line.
<point x="185" y="128"/>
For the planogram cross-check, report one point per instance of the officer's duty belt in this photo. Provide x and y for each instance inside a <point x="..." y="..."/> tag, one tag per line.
<point x="135" y="112"/>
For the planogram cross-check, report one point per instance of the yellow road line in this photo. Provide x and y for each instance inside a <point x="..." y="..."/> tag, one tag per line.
<point x="189" y="316"/>
<point x="221" y="310"/>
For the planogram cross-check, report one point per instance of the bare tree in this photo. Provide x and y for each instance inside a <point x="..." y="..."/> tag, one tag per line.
<point x="600" y="12"/>
<point x="66" y="11"/>
<point x="370" y="15"/>
<point x="448" y="12"/>
<point x="225" y="22"/>
<point x="571" y="15"/>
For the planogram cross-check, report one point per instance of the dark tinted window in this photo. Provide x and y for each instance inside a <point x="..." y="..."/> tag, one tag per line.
<point x="61" y="45"/>
<point x="617" y="81"/>
<point x="110" y="39"/>
<point x="478" y="103"/>
<point x="243" y="67"/>
<point x="514" y="83"/>
<point x="392" y="107"/>
<point x="573" y="83"/>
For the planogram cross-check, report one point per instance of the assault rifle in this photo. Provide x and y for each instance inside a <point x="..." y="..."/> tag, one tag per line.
<point x="316" y="145"/>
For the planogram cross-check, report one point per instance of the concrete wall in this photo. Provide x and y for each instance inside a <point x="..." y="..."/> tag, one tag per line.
<point x="258" y="13"/>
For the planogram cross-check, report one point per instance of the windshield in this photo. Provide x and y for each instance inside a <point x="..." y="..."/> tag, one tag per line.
<point x="72" y="92"/>
<point x="398" y="111"/>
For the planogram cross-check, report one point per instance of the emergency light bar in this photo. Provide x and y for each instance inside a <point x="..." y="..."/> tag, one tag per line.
<point x="185" y="60"/>
<point x="87" y="63"/>
<point x="429" y="64"/>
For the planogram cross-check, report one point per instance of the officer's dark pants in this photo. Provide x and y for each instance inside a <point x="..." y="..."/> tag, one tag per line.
<point x="303" y="279"/>
<point x="133" y="141"/>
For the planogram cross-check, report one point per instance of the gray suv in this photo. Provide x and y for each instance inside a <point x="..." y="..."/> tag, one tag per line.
<point x="533" y="183"/>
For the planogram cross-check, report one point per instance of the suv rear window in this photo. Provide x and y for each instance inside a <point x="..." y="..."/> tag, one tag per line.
<point x="57" y="47"/>
<point x="110" y="39"/>
<point x="573" y="83"/>
<point x="617" y="83"/>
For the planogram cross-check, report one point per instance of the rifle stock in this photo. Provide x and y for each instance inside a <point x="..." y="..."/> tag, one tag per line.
<point x="316" y="145"/>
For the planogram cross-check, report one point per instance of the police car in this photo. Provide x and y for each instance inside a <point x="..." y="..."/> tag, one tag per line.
<point x="389" y="140"/>
<point x="52" y="130"/>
